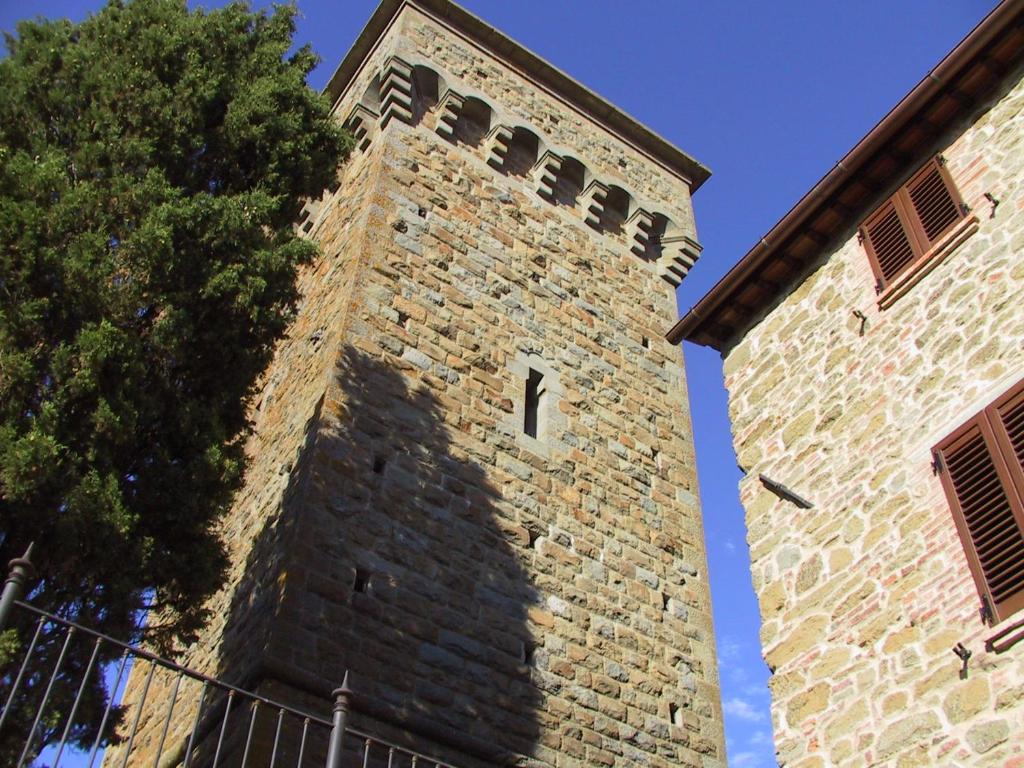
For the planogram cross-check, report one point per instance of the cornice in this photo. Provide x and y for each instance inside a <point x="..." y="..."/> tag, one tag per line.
<point x="530" y="66"/>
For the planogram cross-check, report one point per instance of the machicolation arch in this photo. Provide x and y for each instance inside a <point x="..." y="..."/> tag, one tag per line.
<point x="408" y="92"/>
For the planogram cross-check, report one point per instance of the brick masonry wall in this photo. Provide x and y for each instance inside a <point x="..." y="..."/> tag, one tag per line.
<point x="544" y="599"/>
<point x="863" y="596"/>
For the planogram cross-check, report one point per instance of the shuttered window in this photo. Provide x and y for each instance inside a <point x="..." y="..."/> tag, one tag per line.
<point x="982" y="470"/>
<point x="908" y="224"/>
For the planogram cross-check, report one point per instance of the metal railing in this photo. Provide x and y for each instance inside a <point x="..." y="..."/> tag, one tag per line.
<point x="168" y="716"/>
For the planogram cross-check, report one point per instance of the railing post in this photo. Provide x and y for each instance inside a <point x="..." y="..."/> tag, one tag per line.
<point x="14" y="587"/>
<point x="342" y="706"/>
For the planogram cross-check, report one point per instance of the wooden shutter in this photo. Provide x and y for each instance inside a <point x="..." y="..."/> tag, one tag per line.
<point x="984" y="482"/>
<point x="1011" y="415"/>
<point x="888" y="243"/>
<point x="931" y="195"/>
<point x="910" y="222"/>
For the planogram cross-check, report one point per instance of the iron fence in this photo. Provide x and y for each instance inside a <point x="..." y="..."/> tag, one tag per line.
<point x="169" y="716"/>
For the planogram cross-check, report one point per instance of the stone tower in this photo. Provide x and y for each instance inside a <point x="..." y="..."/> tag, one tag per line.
<point x="472" y="481"/>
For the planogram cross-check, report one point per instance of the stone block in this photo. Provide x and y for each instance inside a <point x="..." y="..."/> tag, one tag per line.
<point x="807" y="703"/>
<point x="985" y="736"/>
<point x="797" y="641"/>
<point x="967" y="699"/>
<point x="905" y="733"/>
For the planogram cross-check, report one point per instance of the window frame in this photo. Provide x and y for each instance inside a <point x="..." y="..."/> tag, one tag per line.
<point x="548" y="394"/>
<point x="922" y="247"/>
<point x="1009" y="470"/>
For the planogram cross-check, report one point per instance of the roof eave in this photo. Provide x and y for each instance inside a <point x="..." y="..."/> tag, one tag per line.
<point x="693" y="325"/>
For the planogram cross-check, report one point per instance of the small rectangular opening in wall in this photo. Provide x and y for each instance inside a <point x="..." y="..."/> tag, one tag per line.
<point x="675" y="715"/>
<point x="532" y="423"/>
<point x="528" y="648"/>
<point x="379" y="462"/>
<point x="645" y="342"/>
<point x="361" y="581"/>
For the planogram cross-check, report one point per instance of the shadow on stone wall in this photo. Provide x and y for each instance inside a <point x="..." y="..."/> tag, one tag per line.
<point x="397" y="570"/>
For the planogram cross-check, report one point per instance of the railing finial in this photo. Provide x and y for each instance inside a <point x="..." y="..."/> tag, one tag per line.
<point x="14" y="587"/>
<point x="342" y="706"/>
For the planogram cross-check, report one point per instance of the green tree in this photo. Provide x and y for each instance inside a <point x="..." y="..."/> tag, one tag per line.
<point x="152" y="163"/>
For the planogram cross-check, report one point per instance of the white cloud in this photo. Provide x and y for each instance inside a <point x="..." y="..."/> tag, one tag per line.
<point x="761" y="738"/>
<point x="743" y="709"/>
<point x="738" y="674"/>
<point x="729" y="649"/>
<point x="745" y="760"/>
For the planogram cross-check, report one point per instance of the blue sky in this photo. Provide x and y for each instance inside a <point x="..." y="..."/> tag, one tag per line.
<point x="769" y="96"/>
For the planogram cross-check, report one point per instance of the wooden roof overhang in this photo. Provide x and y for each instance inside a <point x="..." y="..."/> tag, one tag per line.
<point x="879" y="161"/>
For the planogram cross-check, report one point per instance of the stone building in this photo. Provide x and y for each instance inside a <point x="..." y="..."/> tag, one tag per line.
<point x="872" y="345"/>
<point x="472" y="480"/>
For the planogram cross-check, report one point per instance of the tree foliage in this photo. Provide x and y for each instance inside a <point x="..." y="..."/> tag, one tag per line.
<point x="152" y="162"/>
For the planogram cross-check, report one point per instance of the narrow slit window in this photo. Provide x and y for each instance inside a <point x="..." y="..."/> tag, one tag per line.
<point x="533" y="422"/>
<point x="528" y="648"/>
<point x="675" y="714"/>
<point x="361" y="581"/>
<point x="536" y="420"/>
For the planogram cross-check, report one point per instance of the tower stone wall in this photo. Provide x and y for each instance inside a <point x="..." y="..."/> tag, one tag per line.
<point x="506" y="597"/>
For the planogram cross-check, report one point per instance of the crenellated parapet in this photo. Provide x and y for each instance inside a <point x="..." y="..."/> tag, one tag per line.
<point x="407" y="92"/>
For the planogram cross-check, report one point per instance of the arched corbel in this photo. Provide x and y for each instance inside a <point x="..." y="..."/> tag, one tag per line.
<point x="496" y="146"/>
<point x="639" y="226"/>
<point x="396" y="92"/>
<point x="362" y="124"/>
<point x="593" y="198"/>
<point x="679" y="252"/>
<point x="448" y="110"/>
<point x="546" y="174"/>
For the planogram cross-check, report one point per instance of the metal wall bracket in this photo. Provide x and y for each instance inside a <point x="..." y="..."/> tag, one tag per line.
<point x="784" y="493"/>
